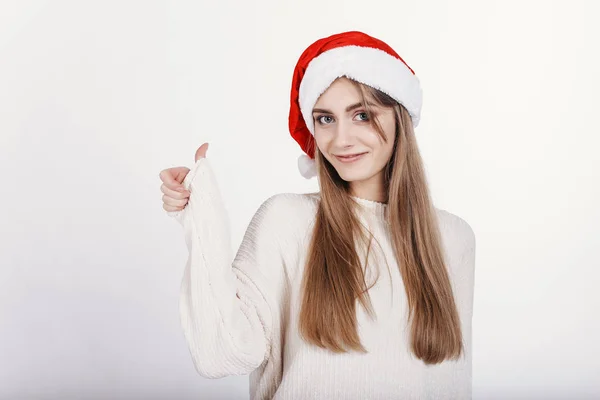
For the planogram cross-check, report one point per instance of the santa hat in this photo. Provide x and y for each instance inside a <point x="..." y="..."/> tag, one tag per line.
<point x="357" y="56"/>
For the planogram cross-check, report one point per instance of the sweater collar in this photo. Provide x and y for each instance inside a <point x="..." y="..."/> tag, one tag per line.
<point x="374" y="207"/>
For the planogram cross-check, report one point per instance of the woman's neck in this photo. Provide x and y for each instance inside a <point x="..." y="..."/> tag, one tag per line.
<point x="371" y="189"/>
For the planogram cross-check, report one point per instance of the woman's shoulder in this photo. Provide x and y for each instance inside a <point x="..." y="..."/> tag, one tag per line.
<point x="289" y="209"/>
<point x="456" y="231"/>
<point x="285" y="219"/>
<point x="287" y="203"/>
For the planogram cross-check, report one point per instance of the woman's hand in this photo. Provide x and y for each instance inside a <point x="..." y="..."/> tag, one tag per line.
<point x="175" y="196"/>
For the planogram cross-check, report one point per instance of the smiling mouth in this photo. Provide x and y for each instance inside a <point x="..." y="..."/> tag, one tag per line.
<point x="350" y="157"/>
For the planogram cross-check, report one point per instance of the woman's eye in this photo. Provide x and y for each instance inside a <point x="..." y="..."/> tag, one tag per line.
<point x="365" y="116"/>
<point x="320" y="119"/>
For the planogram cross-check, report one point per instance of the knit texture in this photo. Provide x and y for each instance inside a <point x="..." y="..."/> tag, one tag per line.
<point x="239" y="311"/>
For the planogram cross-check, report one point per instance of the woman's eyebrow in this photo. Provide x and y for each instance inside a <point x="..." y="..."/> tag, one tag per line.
<point x="348" y="109"/>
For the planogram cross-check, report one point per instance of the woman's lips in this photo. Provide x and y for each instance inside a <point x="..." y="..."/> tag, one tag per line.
<point x="349" y="159"/>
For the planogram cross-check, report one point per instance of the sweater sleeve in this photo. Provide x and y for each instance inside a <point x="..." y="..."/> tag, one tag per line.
<point x="467" y="262"/>
<point x="226" y="303"/>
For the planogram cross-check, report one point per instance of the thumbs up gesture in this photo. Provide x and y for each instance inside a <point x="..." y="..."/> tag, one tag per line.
<point x="175" y="196"/>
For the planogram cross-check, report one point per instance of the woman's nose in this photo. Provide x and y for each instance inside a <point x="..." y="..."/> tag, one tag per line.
<point x="344" y="134"/>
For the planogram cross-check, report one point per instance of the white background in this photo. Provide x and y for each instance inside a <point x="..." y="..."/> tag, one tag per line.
<point x="96" y="98"/>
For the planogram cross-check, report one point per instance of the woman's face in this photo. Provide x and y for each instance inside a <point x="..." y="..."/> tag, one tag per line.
<point x="342" y="127"/>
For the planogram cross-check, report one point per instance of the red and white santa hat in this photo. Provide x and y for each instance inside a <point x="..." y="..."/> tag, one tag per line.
<point x="357" y="56"/>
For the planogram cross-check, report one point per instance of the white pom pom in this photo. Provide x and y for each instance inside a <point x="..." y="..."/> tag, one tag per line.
<point x="307" y="166"/>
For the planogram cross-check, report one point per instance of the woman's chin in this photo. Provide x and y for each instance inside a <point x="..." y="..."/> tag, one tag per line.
<point x="351" y="176"/>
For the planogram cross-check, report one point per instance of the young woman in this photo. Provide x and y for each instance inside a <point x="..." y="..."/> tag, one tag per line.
<point x="363" y="290"/>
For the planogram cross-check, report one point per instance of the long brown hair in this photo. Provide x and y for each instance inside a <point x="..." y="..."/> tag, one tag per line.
<point x="334" y="279"/>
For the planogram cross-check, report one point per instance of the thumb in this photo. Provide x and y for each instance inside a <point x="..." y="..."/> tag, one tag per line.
<point x="201" y="152"/>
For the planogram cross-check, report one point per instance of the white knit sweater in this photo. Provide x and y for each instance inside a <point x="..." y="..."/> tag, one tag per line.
<point x="239" y="312"/>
